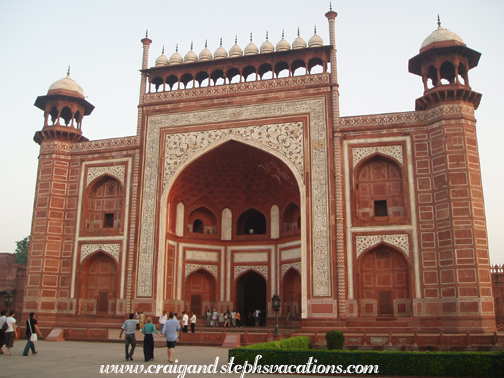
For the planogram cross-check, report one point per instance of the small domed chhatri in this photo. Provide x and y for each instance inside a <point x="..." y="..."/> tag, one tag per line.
<point x="283" y="45"/>
<point x="191" y="56"/>
<point x="316" y="40"/>
<point x="176" y="58"/>
<point x="251" y="48"/>
<point x="67" y="85"/>
<point x="236" y="50"/>
<point x="162" y="60"/>
<point x="442" y="35"/>
<point x="267" y="46"/>
<point x="205" y="54"/>
<point x="221" y="52"/>
<point x="299" y="43"/>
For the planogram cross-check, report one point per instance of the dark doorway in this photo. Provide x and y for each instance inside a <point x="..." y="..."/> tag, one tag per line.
<point x="251" y="296"/>
<point x="196" y="304"/>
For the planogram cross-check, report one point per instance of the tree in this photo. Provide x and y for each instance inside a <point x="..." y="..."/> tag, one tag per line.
<point x="22" y="249"/>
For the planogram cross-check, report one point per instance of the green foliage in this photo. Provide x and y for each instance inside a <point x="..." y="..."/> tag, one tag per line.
<point x="335" y="339"/>
<point x="248" y="353"/>
<point x="22" y="248"/>
<point x="390" y="363"/>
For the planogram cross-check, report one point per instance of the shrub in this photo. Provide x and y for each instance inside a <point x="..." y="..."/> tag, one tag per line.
<point x="335" y="339"/>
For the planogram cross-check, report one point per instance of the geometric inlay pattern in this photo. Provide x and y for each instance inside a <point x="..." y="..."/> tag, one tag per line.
<point x="189" y="268"/>
<point x="115" y="170"/>
<point x="262" y="269"/>
<point x="400" y="241"/>
<point x="112" y="249"/>
<point x="392" y="151"/>
<point x="286" y="267"/>
<point x="285" y="138"/>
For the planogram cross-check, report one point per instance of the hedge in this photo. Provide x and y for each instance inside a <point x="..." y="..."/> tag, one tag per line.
<point x="335" y="339"/>
<point x="407" y="363"/>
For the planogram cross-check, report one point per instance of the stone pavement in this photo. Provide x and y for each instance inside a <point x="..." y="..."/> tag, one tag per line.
<point x="77" y="359"/>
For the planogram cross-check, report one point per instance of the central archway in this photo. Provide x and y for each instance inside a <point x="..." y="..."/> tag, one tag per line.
<point x="251" y="296"/>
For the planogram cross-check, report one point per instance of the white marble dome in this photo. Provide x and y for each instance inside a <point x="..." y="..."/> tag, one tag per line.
<point x="316" y="40"/>
<point x="282" y="45"/>
<point x="440" y="35"/>
<point x="66" y="84"/>
<point x="162" y="60"/>
<point x="299" y="43"/>
<point x="205" y="54"/>
<point x="191" y="56"/>
<point x="221" y="52"/>
<point x="267" y="46"/>
<point x="176" y="58"/>
<point x="236" y="50"/>
<point x="251" y="48"/>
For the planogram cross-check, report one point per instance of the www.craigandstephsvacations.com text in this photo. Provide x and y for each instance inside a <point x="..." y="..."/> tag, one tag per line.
<point x="311" y="367"/>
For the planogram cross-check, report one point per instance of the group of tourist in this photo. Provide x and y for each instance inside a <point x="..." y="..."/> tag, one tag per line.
<point x="170" y="327"/>
<point x="8" y="330"/>
<point x="231" y="319"/>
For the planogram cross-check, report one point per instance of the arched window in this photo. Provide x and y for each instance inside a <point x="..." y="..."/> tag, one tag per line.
<point x="251" y="222"/>
<point x="197" y="226"/>
<point x="379" y="192"/>
<point x="202" y="221"/>
<point x="291" y="218"/>
<point x="447" y="73"/>
<point x="104" y="206"/>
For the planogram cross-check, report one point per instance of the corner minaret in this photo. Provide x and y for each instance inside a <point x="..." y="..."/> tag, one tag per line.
<point x="66" y="106"/>
<point x="443" y="63"/>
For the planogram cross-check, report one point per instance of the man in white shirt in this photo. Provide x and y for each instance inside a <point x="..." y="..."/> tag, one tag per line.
<point x="257" y="317"/>
<point x="162" y="319"/>
<point x="3" y="318"/>
<point x="185" y="321"/>
<point x="215" y="318"/>
<point x="193" y="322"/>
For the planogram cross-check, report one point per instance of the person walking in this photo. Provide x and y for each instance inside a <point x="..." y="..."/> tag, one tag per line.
<point x="193" y="322"/>
<point x="148" y="344"/>
<point x="31" y="326"/>
<point x="226" y="319"/>
<point x="10" y="333"/>
<point x="185" y="321"/>
<point x="162" y="320"/>
<point x="129" y="327"/>
<point x="171" y="332"/>
<point x="3" y="318"/>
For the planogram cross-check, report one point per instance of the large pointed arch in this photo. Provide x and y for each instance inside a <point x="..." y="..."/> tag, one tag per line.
<point x="163" y="206"/>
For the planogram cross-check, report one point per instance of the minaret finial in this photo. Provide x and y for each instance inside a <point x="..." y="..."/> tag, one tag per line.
<point x="236" y="39"/>
<point x="315" y="29"/>
<point x="221" y="41"/>
<point x="330" y="6"/>
<point x="266" y="35"/>
<point x="68" y="71"/>
<point x="162" y="52"/>
<point x="176" y="48"/>
<point x="438" y="21"/>
<point x="146" y="33"/>
<point x="298" y="32"/>
<point x="206" y="40"/>
<point x="191" y="45"/>
<point x="283" y="33"/>
<point x="250" y="36"/>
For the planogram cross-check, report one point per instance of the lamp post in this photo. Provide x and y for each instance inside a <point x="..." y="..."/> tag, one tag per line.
<point x="8" y="299"/>
<point x="275" y="304"/>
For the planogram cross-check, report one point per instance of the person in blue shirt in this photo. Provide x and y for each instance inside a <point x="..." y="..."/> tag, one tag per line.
<point x="171" y="332"/>
<point x="148" y="344"/>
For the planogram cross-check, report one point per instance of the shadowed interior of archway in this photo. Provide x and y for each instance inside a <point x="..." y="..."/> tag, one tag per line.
<point x="251" y="296"/>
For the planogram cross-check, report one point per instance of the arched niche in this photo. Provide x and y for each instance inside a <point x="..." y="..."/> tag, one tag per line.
<point x="251" y="222"/>
<point x="103" y="206"/>
<point x="379" y="193"/>
<point x="200" y="291"/>
<point x="99" y="284"/>
<point x="384" y="282"/>
<point x="291" y="219"/>
<point x="202" y="221"/>
<point x="291" y="293"/>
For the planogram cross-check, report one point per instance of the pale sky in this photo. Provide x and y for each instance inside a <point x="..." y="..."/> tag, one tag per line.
<point x="101" y="42"/>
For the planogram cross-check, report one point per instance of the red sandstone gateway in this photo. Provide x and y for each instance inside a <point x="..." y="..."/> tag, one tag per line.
<point x="244" y="181"/>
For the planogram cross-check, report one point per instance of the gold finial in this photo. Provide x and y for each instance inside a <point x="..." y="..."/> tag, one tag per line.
<point x="68" y="71"/>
